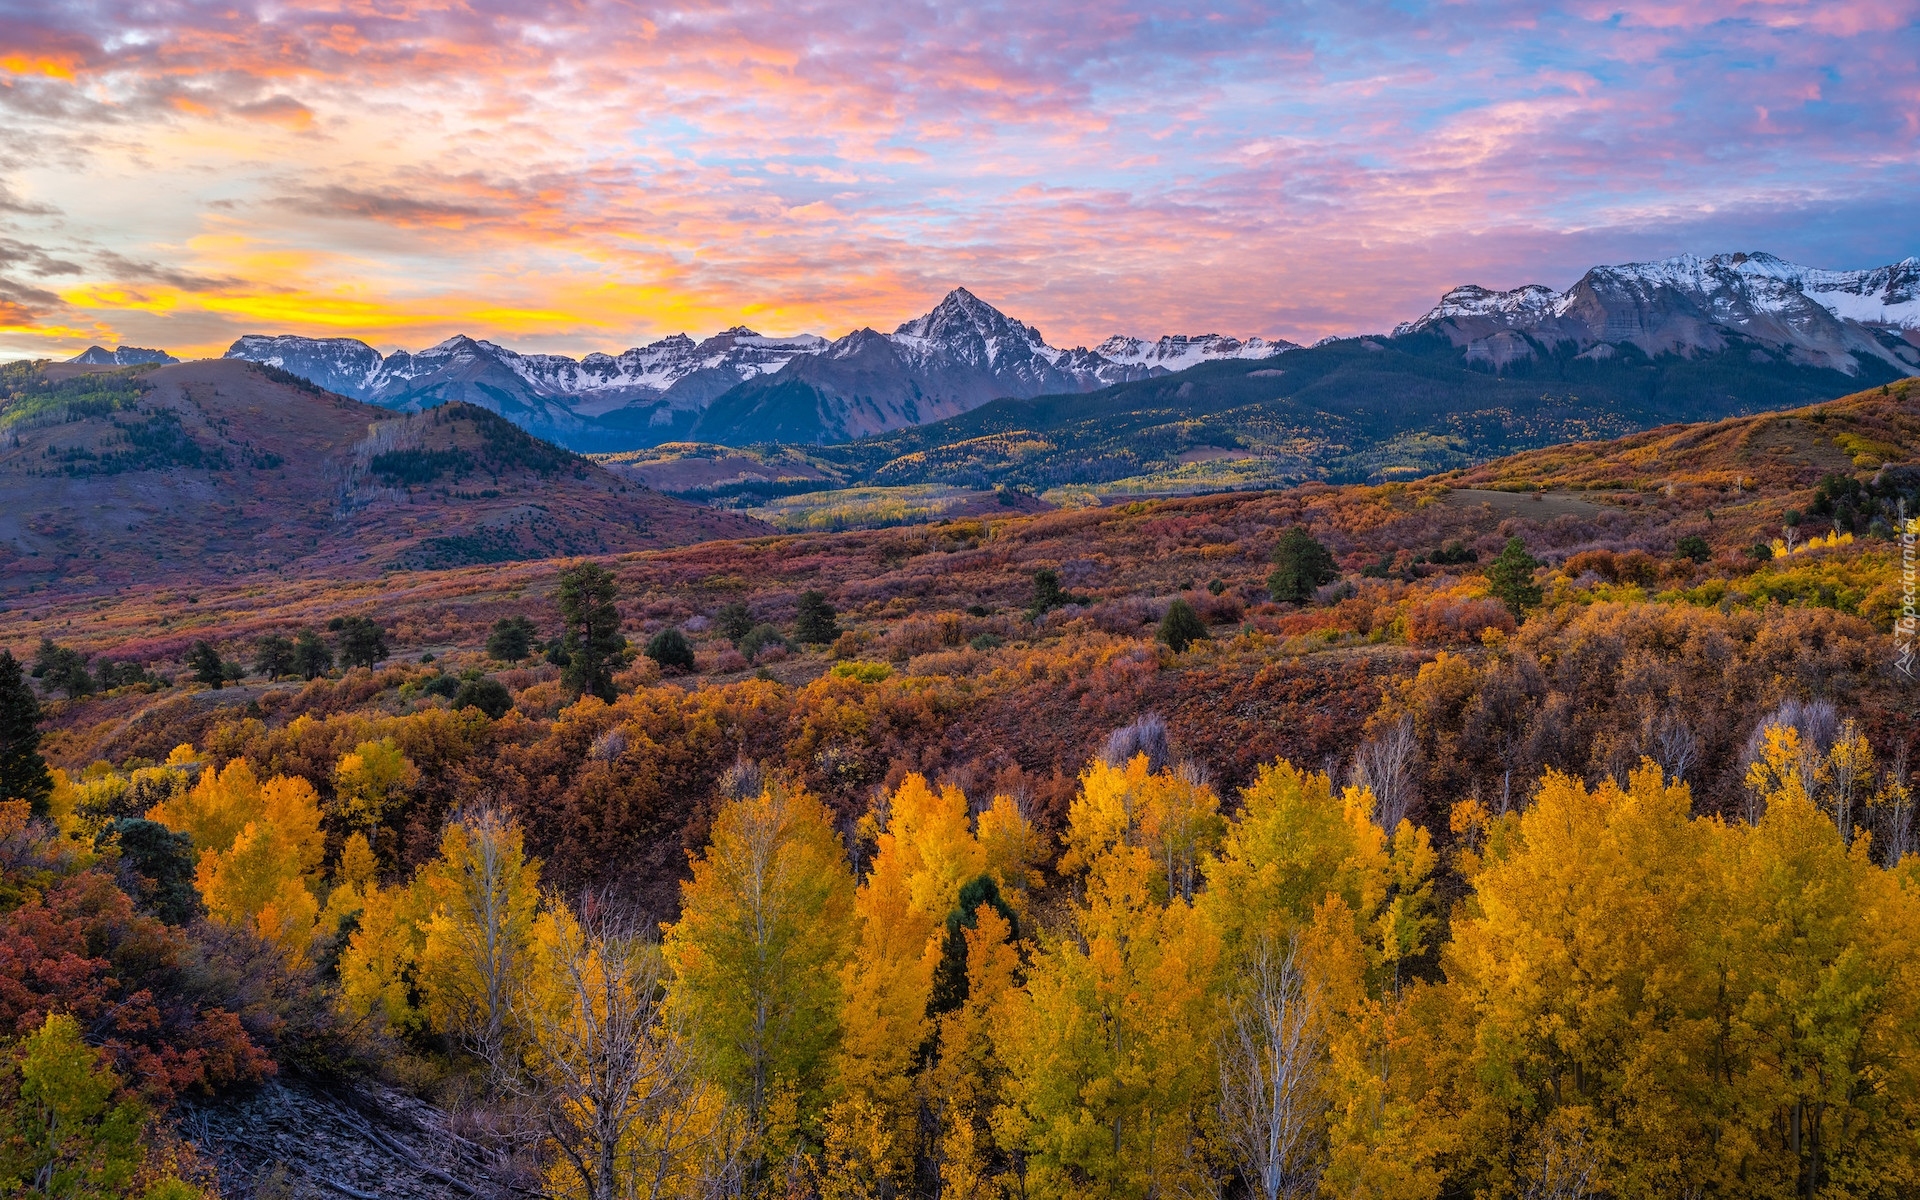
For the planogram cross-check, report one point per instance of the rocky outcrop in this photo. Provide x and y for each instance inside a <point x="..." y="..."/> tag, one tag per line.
<point x="297" y="1137"/>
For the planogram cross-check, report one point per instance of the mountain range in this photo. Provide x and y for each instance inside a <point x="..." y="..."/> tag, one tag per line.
<point x="740" y="387"/>
<point x="1693" y="307"/>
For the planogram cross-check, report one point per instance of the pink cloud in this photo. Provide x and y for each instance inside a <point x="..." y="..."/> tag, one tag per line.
<point x="584" y="175"/>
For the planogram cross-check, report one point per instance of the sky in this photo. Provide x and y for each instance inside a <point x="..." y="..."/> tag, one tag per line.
<point x="570" y="177"/>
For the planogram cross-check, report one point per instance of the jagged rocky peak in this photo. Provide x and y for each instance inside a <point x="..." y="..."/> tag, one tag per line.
<point x="973" y="330"/>
<point x="123" y="356"/>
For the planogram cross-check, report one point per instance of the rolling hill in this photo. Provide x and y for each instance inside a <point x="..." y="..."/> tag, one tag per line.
<point x="227" y="468"/>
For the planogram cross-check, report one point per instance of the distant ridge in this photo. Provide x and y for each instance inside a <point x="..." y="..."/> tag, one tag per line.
<point x="960" y="354"/>
<point x="741" y="387"/>
<point x="125" y="356"/>
<point x="216" y="468"/>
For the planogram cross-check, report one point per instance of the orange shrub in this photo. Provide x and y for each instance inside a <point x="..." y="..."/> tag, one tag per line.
<point x="1449" y="620"/>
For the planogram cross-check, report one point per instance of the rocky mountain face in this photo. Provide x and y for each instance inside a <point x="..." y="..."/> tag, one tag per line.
<point x="960" y="355"/>
<point x="1754" y="304"/>
<point x="123" y="356"/>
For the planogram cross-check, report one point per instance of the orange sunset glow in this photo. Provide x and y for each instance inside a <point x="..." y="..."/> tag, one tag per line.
<point x="592" y="176"/>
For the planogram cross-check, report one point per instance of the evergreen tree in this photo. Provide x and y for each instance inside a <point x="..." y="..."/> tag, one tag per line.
<point x="164" y="861"/>
<point x="735" y="622"/>
<point x="273" y="656"/>
<point x="670" y="649"/>
<point x="488" y="695"/>
<point x="1300" y="564"/>
<point x="311" y="656"/>
<point x="23" y="773"/>
<point x="592" y="640"/>
<point x="363" y="643"/>
<point x="1182" y="627"/>
<point x="512" y="638"/>
<point x="1510" y="578"/>
<point x="815" y="625"/>
<point x="950" y="976"/>
<point x="61" y="669"/>
<point x="759" y="638"/>
<point x="206" y="664"/>
<point x="1695" y="547"/>
<point x="1047" y="593"/>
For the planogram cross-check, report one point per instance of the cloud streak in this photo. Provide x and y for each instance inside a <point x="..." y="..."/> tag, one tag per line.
<point x="592" y="174"/>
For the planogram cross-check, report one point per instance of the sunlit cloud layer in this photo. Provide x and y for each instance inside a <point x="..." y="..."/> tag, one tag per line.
<point x="583" y="176"/>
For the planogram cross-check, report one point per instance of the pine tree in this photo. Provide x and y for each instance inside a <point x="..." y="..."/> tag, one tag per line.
<point x="815" y="625"/>
<point x="671" y="649"/>
<point x="311" y="656"/>
<point x="734" y="621"/>
<point x="164" y="861"/>
<point x="1047" y="593"/>
<point x="273" y="656"/>
<point x="511" y="639"/>
<point x="62" y="669"/>
<point x="592" y="640"/>
<point x="363" y="643"/>
<point x="207" y="666"/>
<point x="23" y="773"/>
<point x="1510" y="578"/>
<point x="1182" y="627"/>
<point x="485" y="693"/>
<point x="1300" y="565"/>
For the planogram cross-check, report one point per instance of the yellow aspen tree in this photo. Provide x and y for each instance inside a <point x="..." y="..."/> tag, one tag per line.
<point x="482" y="896"/>
<point x="370" y="780"/>
<point x="1303" y="867"/>
<point x="1816" y="956"/>
<point x="354" y="877"/>
<point x="1012" y="851"/>
<point x="1576" y="967"/>
<point x="1181" y="826"/>
<point x="1109" y="1049"/>
<point x="262" y="881"/>
<point x="766" y="924"/>
<point x="606" y="1065"/>
<point x="379" y="968"/>
<point x="965" y="1080"/>
<point x="214" y="809"/>
<point x="923" y="854"/>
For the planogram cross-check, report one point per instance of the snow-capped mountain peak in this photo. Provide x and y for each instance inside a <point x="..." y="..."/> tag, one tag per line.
<point x="1687" y="304"/>
<point x="975" y="332"/>
<point x="1178" y="351"/>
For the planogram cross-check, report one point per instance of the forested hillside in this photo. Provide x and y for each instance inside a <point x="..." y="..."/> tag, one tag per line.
<point x="220" y="469"/>
<point x="1357" y="410"/>
<point x="1542" y="829"/>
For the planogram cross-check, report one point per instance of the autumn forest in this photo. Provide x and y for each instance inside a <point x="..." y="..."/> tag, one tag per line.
<point x="1540" y="829"/>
